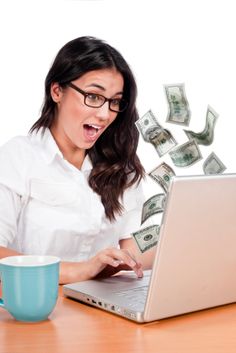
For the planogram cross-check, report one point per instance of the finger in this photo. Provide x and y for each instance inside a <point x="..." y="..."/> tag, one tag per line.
<point x="138" y="268"/>
<point x="139" y="271"/>
<point x="125" y="258"/>
<point x="109" y="260"/>
<point x="122" y="256"/>
<point x="132" y="256"/>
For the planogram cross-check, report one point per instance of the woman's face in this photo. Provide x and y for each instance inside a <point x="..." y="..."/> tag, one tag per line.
<point x="76" y="125"/>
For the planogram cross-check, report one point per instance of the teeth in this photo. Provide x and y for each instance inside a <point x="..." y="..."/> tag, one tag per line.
<point x="95" y="126"/>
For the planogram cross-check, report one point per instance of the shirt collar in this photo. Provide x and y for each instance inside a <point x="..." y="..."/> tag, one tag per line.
<point x="49" y="149"/>
<point x="44" y="140"/>
<point x="87" y="164"/>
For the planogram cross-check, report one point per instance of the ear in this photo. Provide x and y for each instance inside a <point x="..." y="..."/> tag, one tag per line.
<point x="56" y="92"/>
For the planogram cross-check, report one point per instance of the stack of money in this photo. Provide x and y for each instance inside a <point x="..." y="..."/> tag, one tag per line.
<point x="184" y="155"/>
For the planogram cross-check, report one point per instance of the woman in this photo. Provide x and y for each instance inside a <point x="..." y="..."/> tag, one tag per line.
<point x="71" y="188"/>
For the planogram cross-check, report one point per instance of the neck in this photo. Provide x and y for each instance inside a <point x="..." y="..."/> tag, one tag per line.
<point x="71" y="153"/>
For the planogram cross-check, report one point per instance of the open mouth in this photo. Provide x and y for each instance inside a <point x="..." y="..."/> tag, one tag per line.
<point x="91" y="131"/>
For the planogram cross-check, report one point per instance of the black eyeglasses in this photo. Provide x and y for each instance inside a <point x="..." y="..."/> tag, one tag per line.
<point x="95" y="100"/>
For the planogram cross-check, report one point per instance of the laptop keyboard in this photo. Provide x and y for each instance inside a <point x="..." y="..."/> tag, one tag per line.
<point x="135" y="298"/>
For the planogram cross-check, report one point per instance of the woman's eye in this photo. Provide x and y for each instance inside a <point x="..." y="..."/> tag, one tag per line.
<point x="115" y="102"/>
<point x="93" y="97"/>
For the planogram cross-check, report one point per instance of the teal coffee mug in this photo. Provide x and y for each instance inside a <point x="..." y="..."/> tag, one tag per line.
<point x="29" y="286"/>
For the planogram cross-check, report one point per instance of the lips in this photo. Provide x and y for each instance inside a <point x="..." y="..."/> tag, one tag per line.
<point x="92" y="131"/>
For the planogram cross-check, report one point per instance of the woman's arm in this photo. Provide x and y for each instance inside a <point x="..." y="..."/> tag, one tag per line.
<point x="105" y="263"/>
<point x="4" y="252"/>
<point x="69" y="271"/>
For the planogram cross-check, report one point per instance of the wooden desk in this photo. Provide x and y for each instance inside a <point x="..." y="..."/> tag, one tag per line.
<point x="77" y="328"/>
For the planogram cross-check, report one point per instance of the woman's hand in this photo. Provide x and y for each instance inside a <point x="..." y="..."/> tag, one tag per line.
<point x="112" y="260"/>
<point x="104" y="264"/>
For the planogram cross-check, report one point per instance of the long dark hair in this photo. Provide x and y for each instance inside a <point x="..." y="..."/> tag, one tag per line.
<point x="116" y="165"/>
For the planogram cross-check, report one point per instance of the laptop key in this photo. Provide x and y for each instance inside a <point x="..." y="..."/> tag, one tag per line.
<point x="135" y="297"/>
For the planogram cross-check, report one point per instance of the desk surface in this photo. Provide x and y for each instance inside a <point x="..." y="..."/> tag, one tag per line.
<point x="75" y="327"/>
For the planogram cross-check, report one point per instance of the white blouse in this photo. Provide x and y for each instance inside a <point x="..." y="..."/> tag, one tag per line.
<point x="47" y="206"/>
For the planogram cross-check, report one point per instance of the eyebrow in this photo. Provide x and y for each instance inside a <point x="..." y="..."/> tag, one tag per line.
<point x="102" y="88"/>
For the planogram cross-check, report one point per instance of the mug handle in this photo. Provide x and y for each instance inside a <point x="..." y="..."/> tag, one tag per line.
<point x="1" y="301"/>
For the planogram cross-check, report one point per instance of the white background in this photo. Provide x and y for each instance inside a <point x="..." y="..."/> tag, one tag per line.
<point x="164" y="42"/>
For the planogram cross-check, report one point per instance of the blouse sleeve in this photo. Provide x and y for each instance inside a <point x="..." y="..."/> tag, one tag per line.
<point x="130" y="220"/>
<point x="12" y="166"/>
<point x="9" y="211"/>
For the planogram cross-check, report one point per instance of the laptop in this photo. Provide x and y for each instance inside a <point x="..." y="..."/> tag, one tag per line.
<point x="195" y="261"/>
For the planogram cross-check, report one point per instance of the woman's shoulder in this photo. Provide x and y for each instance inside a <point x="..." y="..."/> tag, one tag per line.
<point x="18" y="147"/>
<point x="18" y="141"/>
<point x="26" y="146"/>
<point x="16" y="157"/>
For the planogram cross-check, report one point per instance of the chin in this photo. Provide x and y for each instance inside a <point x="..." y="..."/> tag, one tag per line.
<point x="87" y="145"/>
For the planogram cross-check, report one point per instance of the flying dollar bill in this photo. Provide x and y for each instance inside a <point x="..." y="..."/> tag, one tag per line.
<point x="146" y="123"/>
<point x="186" y="155"/>
<point x="162" y="174"/>
<point x="153" y="132"/>
<point x="153" y="205"/>
<point x="206" y="136"/>
<point x="179" y="112"/>
<point x="162" y="140"/>
<point x="147" y="237"/>
<point x="213" y="165"/>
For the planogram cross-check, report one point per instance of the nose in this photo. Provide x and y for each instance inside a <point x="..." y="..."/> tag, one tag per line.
<point x="103" y="112"/>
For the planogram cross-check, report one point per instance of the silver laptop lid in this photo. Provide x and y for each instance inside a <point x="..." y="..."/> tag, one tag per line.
<point x="195" y="262"/>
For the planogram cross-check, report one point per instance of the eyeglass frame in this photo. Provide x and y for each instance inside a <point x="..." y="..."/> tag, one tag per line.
<point x="109" y="100"/>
